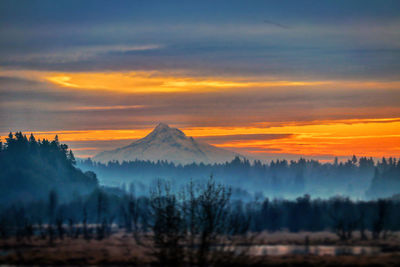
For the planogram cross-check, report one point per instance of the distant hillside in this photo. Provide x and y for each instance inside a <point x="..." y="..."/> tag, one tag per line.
<point x="30" y="169"/>
<point x="170" y="144"/>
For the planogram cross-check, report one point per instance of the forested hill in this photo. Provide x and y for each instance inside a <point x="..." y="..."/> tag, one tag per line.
<point x="31" y="168"/>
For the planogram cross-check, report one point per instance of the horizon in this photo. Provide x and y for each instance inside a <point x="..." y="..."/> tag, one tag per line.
<point x="250" y="158"/>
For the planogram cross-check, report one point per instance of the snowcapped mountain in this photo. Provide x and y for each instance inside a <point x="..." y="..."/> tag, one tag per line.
<point x="171" y="144"/>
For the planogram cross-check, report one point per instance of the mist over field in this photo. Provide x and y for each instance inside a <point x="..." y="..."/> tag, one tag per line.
<point x="278" y="179"/>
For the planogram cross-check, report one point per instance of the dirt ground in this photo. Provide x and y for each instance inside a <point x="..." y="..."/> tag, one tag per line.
<point x="392" y="239"/>
<point x="121" y="249"/>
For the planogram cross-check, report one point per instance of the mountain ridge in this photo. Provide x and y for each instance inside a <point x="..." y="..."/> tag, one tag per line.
<point x="170" y="144"/>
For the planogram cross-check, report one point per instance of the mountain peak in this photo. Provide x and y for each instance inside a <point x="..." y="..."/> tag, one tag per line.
<point x="168" y="143"/>
<point x="161" y="126"/>
<point x="163" y="131"/>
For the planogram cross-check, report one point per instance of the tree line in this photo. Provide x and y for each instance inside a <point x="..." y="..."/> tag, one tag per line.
<point x="30" y="168"/>
<point x="358" y="178"/>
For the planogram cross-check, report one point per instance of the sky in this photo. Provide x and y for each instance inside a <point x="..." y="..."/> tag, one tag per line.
<point x="269" y="79"/>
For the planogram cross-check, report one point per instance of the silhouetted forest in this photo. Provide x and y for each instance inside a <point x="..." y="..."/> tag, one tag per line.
<point x="31" y="168"/>
<point x="358" y="178"/>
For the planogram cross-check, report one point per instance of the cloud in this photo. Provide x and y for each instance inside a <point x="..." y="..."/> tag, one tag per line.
<point x="33" y="103"/>
<point x="170" y="81"/>
<point x="276" y="24"/>
<point x="357" y="49"/>
<point x="133" y="82"/>
<point x="76" y="54"/>
<point x="219" y="139"/>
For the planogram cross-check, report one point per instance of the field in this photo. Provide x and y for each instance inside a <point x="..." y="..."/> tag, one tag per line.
<point x="121" y="249"/>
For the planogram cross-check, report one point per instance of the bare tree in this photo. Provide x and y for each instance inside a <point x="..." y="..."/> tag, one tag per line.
<point x="167" y="226"/>
<point x="134" y="212"/>
<point x="190" y="210"/>
<point x="53" y="202"/>
<point x="212" y="202"/>
<point x="344" y="217"/>
<point x="362" y="226"/>
<point x="378" y="226"/>
<point x="86" y="233"/>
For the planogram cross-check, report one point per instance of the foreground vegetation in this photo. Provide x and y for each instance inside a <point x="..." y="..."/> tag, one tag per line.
<point x="197" y="226"/>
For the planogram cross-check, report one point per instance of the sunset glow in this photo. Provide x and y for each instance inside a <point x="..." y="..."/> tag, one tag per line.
<point x="372" y="137"/>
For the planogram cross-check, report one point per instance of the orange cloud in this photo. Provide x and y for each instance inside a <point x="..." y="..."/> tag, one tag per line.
<point x="139" y="82"/>
<point x="148" y="82"/>
<point x="165" y="82"/>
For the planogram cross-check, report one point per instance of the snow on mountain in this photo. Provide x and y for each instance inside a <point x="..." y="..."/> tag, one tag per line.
<point x="171" y="144"/>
